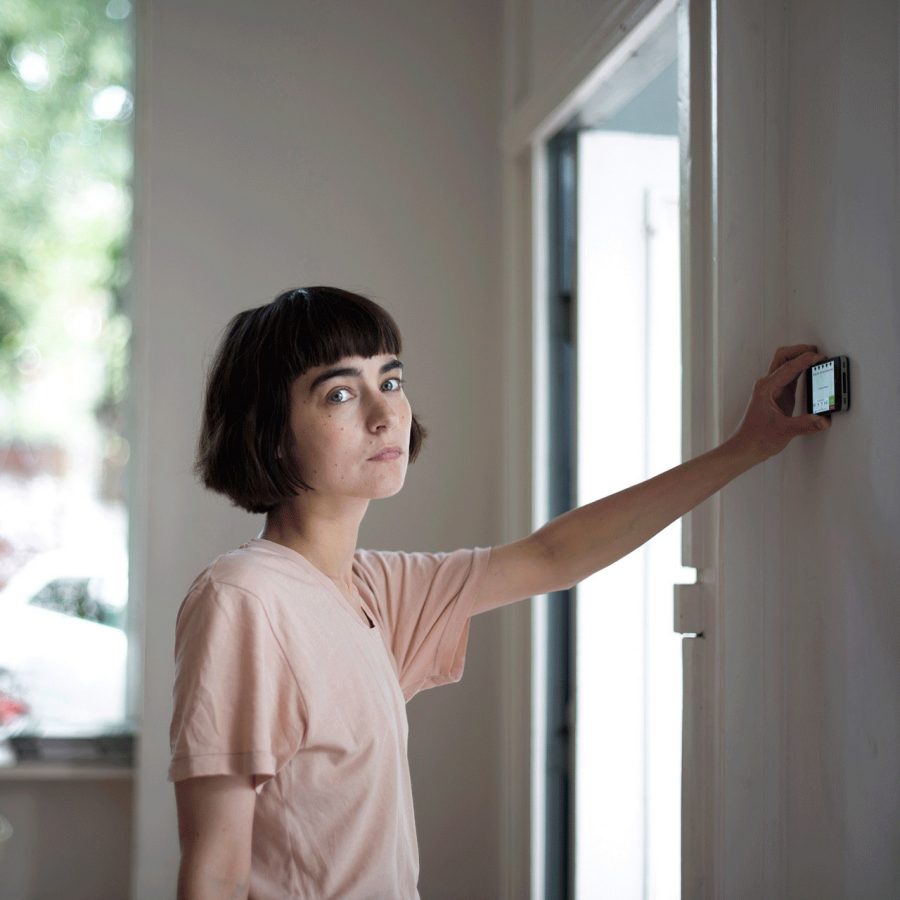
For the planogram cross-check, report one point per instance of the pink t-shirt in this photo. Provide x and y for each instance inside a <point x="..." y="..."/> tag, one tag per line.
<point x="279" y="677"/>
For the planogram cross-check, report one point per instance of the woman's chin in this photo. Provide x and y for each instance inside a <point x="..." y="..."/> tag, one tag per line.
<point x="387" y="490"/>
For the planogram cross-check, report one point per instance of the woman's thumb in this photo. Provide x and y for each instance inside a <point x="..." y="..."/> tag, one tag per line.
<point x="811" y="423"/>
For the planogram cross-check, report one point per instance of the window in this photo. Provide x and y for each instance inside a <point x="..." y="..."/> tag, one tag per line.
<point x="66" y="113"/>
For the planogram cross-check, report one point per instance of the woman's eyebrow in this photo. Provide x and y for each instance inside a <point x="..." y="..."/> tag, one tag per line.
<point x="344" y="372"/>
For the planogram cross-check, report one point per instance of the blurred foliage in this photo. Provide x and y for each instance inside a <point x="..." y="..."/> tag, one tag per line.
<point x="65" y="212"/>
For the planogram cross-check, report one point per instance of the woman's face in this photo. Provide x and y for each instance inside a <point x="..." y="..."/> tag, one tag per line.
<point x="343" y="415"/>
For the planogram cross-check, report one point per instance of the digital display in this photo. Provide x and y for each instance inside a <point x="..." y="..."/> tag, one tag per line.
<point x="823" y="390"/>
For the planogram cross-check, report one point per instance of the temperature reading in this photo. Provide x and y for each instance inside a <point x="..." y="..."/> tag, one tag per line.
<point x="823" y="392"/>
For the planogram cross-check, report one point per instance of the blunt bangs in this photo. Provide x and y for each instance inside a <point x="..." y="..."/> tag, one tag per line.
<point x="318" y="326"/>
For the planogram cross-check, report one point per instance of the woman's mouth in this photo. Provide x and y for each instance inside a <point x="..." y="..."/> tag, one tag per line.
<point x="387" y="454"/>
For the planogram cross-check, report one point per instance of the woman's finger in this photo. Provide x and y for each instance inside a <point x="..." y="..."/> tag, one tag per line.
<point x="790" y="370"/>
<point x="783" y="354"/>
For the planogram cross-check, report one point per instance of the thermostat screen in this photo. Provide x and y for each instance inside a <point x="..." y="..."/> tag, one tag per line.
<point x="823" y="392"/>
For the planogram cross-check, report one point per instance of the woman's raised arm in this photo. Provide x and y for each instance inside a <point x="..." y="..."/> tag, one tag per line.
<point x="584" y="540"/>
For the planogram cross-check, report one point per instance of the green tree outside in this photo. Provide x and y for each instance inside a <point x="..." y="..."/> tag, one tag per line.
<point x="65" y="211"/>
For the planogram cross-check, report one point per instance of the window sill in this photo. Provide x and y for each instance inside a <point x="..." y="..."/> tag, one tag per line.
<point x="60" y="771"/>
<point x="61" y="768"/>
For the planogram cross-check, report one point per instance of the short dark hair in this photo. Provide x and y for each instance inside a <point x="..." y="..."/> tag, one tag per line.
<point x="246" y="414"/>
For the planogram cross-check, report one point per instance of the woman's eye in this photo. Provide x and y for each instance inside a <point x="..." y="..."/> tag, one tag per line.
<point x="333" y="394"/>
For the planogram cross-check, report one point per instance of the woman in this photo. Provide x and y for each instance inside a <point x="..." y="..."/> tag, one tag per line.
<point x="297" y="652"/>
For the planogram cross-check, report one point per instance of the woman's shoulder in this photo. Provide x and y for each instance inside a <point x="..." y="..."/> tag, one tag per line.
<point x="412" y="567"/>
<point x="234" y="569"/>
<point x="259" y="569"/>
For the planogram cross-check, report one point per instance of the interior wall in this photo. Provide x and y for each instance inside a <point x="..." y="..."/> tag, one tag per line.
<point x="808" y="573"/>
<point x="285" y="144"/>
<point x="840" y="575"/>
<point x="71" y="837"/>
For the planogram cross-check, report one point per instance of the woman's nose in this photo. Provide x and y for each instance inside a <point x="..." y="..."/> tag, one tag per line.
<point x="383" y="410"/>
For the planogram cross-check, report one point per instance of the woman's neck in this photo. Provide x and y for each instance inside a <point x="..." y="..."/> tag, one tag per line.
<point x="328" y="543"/>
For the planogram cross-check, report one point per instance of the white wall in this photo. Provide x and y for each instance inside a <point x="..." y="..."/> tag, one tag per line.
<point x="808" y="571"/>
<point x="284" y="144"/>
<point x="840" y="574"/>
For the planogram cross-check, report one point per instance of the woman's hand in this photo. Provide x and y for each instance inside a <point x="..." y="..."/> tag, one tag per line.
<point x="769" y="424"/>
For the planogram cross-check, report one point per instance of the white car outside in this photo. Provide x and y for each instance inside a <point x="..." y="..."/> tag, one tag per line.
<point x="70" y="671"/>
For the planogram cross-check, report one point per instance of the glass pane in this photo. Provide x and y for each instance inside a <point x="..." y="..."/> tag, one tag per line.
<point x="65" y="183"/>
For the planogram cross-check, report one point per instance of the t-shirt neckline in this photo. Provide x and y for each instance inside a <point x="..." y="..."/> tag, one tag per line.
<point x="296" y="556"/>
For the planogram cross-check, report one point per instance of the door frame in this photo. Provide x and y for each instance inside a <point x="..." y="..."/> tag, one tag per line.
<point x="525" y="270"/>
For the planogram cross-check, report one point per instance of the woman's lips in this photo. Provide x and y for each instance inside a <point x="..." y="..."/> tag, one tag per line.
<point x="386" y="456"/>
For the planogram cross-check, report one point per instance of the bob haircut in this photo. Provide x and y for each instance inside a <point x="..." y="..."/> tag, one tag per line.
<point x="246" y="416"/>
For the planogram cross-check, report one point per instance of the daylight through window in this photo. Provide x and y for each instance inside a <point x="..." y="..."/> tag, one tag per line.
<point x="66" y="156"/>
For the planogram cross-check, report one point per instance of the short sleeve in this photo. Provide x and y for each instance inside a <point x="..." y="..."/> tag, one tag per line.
<point x="425" y="603"/>
<point x="237" y="708"/>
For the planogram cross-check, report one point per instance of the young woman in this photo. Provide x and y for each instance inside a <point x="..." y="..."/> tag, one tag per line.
<point x="297" y="652"/>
